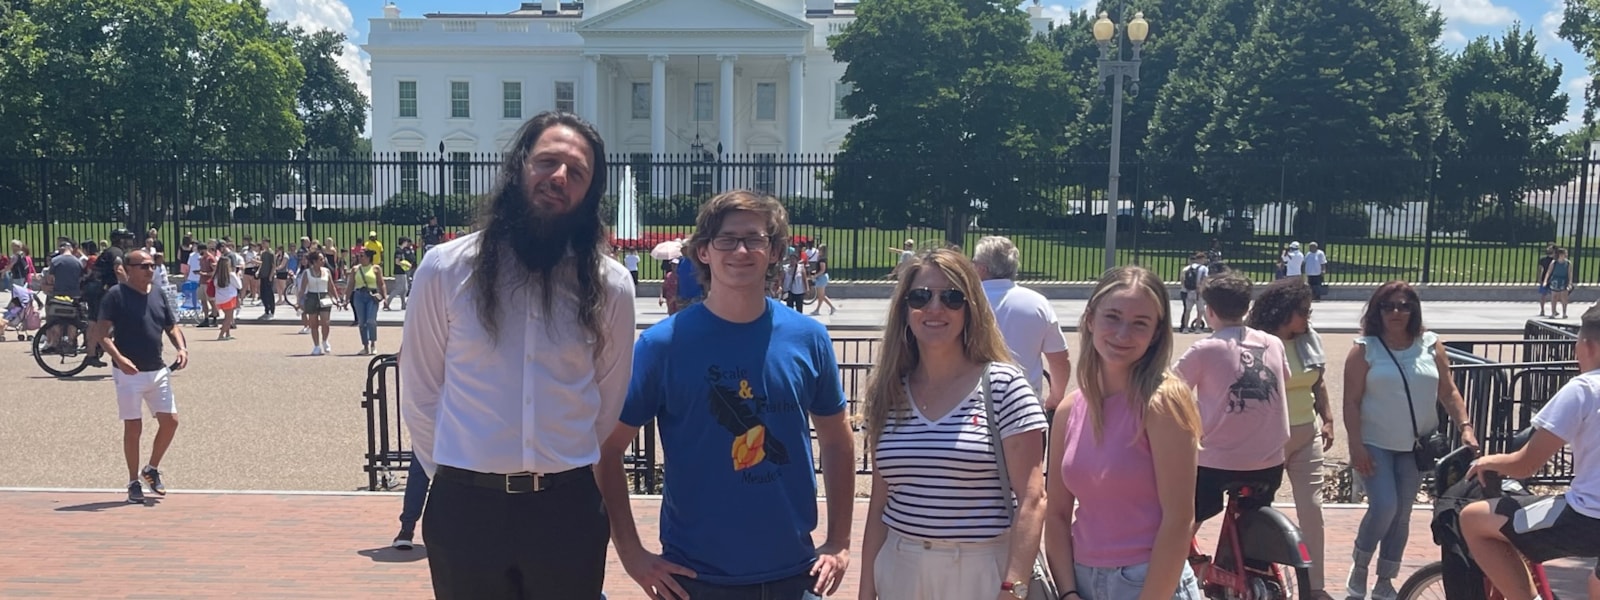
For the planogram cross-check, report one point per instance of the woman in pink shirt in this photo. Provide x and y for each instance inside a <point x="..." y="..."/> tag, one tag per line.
<point x="1127" y="446"/>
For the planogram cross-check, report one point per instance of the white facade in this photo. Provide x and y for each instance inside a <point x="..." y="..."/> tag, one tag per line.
<point x="655" y="76"/>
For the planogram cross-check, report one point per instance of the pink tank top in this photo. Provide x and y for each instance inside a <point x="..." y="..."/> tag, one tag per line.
<point x="1114" y="480"/>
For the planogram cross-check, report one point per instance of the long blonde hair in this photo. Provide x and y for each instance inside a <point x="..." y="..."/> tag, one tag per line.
<point x="899" y="356"/>
<point x="1154" y="386"/>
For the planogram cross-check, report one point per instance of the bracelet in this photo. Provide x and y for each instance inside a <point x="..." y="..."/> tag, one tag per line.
<point x="1069" y="593"/>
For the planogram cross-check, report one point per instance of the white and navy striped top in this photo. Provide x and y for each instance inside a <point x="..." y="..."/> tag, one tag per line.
<point x="942" y="478"/>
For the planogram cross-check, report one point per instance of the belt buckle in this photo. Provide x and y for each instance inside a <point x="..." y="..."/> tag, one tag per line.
<point x="535" y="483"/>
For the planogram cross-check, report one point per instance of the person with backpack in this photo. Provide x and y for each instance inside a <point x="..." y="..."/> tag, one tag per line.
<point x="1191" y="276"/>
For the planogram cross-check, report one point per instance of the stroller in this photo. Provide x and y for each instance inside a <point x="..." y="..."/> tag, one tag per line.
<point x="20" y="314"/>
<point x="185" y="301"/>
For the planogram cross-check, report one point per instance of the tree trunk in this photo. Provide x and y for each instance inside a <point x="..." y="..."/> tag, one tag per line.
<point x="955" y="227"/>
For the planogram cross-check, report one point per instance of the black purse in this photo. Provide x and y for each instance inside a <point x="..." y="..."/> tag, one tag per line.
<point x="1426" y="450"/>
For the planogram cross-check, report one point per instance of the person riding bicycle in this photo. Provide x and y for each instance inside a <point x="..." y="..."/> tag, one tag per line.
<point x="1543" y="528"/>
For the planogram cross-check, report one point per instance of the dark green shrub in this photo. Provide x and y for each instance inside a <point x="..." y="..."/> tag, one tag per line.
<point x="1343" y="221"/>
<point x="412" y="208"/>
<point x="1524" y="224"/>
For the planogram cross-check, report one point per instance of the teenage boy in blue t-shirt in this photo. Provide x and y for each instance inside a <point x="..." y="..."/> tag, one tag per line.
<point x="733" y="384"/>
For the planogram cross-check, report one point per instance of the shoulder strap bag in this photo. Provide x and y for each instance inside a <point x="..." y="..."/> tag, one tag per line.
<point x="1426" y="448"/>
<point x="1040" y="585"/>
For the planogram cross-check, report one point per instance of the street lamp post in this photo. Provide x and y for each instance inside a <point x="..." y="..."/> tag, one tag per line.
<point x="1114" y="68"/>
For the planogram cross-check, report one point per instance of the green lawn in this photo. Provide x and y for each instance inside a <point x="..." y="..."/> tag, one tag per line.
<point x="865" y="253"/>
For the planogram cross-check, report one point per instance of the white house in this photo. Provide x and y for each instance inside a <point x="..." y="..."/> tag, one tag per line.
<point x="658" y="77"/>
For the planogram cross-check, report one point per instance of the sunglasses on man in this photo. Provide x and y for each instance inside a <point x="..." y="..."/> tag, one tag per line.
<point x="143" y="265"/>
<point x="952" y="299"/>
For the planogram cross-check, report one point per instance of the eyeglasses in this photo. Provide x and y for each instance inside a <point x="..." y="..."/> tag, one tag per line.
<point x="1396" y="307"/>
<point x="952" y="299"/>
<point x="145" y="266"/>
<point x="754" y="243"/>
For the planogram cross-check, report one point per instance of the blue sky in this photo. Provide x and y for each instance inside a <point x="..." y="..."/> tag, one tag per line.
<point x="1465" y="19"/>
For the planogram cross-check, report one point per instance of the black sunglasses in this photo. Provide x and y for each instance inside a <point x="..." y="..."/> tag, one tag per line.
<point x="952" y="299"/>
<point x="1395" y="307"/>
<point x="145" y="266"/>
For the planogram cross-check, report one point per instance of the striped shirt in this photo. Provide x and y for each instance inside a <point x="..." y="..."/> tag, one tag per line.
<point x="942" y="478"/>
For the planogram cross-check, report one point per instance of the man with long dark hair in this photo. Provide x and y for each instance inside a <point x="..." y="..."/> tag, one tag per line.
<point x="517" y="351"/>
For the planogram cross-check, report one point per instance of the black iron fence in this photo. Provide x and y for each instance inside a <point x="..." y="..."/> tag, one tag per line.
<point x="1462" y="221"/>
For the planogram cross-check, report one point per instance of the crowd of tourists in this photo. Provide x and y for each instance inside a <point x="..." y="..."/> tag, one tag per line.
<point x="523" y="386"/>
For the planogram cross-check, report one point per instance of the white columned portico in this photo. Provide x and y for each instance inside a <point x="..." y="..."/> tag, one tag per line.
<point x="725" y="134"/>
<point x="658" y="104"/>
<point x="589" y="96"/>
<point x="797" y="86"/>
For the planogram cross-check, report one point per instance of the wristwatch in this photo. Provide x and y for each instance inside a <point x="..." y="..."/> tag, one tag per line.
<point x="1017" y="588"/>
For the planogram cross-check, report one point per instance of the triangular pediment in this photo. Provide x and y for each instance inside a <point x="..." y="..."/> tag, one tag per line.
<point x="692" y="15"/>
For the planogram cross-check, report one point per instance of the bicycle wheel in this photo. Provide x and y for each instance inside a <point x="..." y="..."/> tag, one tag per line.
<point x="1427" y="582"/>
<point x="61" y="347"/>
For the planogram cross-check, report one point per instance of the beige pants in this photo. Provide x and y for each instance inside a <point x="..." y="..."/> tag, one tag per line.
<point x="912" y="569"/>
<point x="1304" y="469"/>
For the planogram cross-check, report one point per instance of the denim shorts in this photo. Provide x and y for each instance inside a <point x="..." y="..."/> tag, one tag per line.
<point x="797" y="587"/>
<point x="1125" y="583"/>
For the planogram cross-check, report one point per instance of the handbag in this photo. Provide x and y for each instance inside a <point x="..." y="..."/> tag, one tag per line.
<point x="1040" y="585"/>
<point x="1425" y="449"/>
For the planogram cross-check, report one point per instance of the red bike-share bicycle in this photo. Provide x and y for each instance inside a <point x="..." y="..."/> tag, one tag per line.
<point x="1260" y="555"/>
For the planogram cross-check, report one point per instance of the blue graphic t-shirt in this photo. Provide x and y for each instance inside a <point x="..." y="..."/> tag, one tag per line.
<point x="732" y="402"/>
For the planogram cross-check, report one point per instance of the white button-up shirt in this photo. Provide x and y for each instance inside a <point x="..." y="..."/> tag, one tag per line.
<point x="541" y="400"/>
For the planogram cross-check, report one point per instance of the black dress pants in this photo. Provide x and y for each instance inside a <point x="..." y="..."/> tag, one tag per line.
<point x="269" y="296"/>
<point x="485" y="543"/>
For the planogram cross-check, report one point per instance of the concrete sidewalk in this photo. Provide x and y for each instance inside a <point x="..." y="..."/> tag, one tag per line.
<point x="868" y="314"/>
<point x="90" y="544"/>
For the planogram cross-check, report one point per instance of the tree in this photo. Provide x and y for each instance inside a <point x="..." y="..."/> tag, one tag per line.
<point x="1331" y="78"/>
<point x="146" y="79"/>
<point x="954" y="96"/>
<point x="1502" y="97"/>
<point x="330" y="106"/>
<point x="1580" y="26"/>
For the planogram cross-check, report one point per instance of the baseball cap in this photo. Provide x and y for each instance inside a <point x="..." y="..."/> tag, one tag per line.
<point x="372" y="234"/>
<point x="1294" y="245"/>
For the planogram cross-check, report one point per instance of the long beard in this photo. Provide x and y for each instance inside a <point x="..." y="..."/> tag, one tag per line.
<point x="542" y="241"/>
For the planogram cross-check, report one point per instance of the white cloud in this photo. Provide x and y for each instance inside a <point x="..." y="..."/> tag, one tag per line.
<point x="1453" y="38"/>
<point x="328" y="14"/>
<point x="1550" y="25"/>
<point x="1475" y="12"/>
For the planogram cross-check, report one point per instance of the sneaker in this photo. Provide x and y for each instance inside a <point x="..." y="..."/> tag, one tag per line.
<point x="152" y="476"/>
<point x="1384" y="590"/>
<point x="327" y="349"/>
<point x="135" y="493"/>
<point x="94" y="361"/>
<point x="402" y="540"/>
<point x="316" y="350"/>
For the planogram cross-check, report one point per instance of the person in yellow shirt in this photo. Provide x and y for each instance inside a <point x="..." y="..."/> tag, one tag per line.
<point x="374" y="246"/>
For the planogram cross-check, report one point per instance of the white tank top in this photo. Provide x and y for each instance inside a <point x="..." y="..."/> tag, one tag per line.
<point x="315" y="284"/>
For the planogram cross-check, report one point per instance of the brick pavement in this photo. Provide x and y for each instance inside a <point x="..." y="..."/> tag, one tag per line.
<point x="200" y="545"/>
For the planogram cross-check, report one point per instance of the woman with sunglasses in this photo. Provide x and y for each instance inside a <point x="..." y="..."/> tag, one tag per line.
<point x="364" y="287"/>
<point x="1284" y="310"/>
<point x="1393" y="378"/>
<point x="1127" y="454"/>
<point x="940" y="524"/>
<point x="320" y="293"/>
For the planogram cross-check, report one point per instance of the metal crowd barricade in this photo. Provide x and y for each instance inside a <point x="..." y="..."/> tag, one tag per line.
<point x="1505" y="383"/>
<point x="387" y="451"/>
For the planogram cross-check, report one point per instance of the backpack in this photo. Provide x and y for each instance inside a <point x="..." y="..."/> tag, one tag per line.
<point x="1191" y="278"/>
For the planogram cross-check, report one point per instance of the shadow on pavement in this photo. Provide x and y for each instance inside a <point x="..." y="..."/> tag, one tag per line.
<point x="392" y="555"/>
<point x="103" y="506"/>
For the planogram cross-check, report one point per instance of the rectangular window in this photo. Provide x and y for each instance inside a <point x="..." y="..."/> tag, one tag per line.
<point x="460" y="100"/>
<point x="566" y="98"/>
<point x="408" y="99"/>
<point x="766" y="101"/>
<point x="702" y="101"/>
<point x="641" y="101"/>
<point x="700" y="184"/>
<point x="511" y="95"/>
<point x="840" y="90"/>
<point x="410" y="172"/>
<point x="460" y="173"/>
<point x="766" y="175"/>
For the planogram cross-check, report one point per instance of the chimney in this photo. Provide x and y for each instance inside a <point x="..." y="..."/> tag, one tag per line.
<point x="390" y="11"/>
<point x="550" y="7"/>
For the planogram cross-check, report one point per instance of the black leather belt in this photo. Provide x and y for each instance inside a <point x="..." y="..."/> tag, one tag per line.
<point x="513" y="483"/>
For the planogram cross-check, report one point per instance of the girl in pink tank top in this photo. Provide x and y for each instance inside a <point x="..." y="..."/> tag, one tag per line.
<point x="1122" y="498"/>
